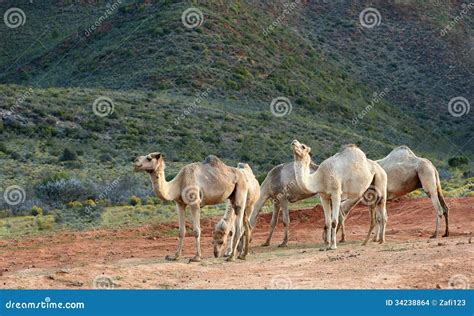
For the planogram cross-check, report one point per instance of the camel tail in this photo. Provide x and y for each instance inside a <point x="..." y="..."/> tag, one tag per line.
<point x="440" y="195"/>
<point x="264" y="196"/>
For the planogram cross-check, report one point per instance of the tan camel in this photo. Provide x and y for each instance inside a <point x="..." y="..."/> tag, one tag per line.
<point x="280" y="185"/>
<point x="198" y="184"/>
<point x="229" y="229"/>
<point x="406" y="172"/>
<point x="347" y="176"/>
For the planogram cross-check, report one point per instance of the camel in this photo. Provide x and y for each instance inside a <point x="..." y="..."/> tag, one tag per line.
<point x="280" y="185"/>
<point x="228" y="228"/>
<point x="197" y="184"/>
<point x="342" y="181"/>
<point x="406" y="172"/>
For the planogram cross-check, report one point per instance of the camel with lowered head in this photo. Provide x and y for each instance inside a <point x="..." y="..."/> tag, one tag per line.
<point x="229" y="229"/>
<point x="281" y="186"/>
<point x="198" y="184"/>
<point x="342" y="181"/>
<point x="406" y="172"/>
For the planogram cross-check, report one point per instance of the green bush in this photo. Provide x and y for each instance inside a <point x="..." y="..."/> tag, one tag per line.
<point x="458" y="161"/>
<point x="135" y="200"/>
<point x="68" y="155"/>
<point x="36" y="211"/>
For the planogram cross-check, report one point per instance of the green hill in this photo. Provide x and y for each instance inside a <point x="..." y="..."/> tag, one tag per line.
<point x="208" y="90"/>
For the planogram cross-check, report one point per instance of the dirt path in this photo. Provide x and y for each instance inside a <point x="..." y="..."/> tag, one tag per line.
<point x="134" y="257"/>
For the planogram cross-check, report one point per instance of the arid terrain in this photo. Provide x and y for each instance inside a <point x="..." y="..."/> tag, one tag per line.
<point x="134" y="257"/>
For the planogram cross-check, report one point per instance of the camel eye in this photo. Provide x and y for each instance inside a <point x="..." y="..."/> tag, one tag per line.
<point x="221" y="242"/>
<point x="304" y="147"/>
<point x="148" y="158"/>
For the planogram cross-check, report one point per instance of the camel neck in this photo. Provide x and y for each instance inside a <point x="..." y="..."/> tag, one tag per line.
<point x="161" y="188"/>
<point x="305" y="179"/>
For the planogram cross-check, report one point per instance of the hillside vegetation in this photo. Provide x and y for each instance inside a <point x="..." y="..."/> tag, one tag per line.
<point x="208" y="90"/>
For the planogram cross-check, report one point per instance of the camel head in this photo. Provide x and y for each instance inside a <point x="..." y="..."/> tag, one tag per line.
<point x="219" y="238"/>
<point x="301" y="152"/>
<point x="149" y="163"/>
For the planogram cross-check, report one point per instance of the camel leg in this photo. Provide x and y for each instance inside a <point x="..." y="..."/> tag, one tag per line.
<point x="275" y="215"/>
<point x="246" y="241"/>
<point x="286" y="222"/>
<point x="428" y="182"/>
<point x="196" y="215"/>
<point x="230" y="240"/>
<point x="336" y="204"/>
<point x="326" y="202"/>
<point x="182" y="231"/>
<point x="239" y="209"/>
<point x="372" y="223"/>
<point x="382" y="222"/>
<point x="346" y="207"/>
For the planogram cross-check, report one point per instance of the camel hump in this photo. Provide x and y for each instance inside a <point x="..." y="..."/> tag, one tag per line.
<point x="403" y="148"/>
<point x="244" y="166"/>
<point x="348" y="146"/>
<point x="214" y="161"/>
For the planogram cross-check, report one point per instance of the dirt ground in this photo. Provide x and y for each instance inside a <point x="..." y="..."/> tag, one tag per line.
<point x="134" y="257"/>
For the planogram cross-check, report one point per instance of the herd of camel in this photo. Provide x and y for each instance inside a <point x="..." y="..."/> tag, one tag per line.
<point x="342" y="181"/>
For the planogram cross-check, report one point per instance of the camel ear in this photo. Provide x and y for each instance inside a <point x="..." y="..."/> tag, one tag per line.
<point x="156" y="155"/>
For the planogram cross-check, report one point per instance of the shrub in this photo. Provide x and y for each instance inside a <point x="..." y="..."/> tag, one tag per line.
<point x="68" y="155"/>
<point x="458" y="161"/>
<point x="45" y="222"/>
<point x="60" y="188"/>
<point x="90" y="202"/>
<point x="135" y="200"/>
<point x="36" y="211"/>
<point x="151" y="200"/>
<point x="74" y="204"/>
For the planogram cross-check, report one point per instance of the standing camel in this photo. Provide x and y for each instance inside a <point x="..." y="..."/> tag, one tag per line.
<point x="406" y="173"/>
<point x="347" y="176"/>
<point x="228" y="228"/>
<point x="198" y="184"/>
<point x="281" y="186"/>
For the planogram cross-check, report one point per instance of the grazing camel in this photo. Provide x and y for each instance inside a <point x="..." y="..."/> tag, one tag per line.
<point x="198" y="184"/>
<point x="405" y="173"/>
<point x="228" y="228"/>
<point x="280" y="185"/>
<point x="348" y="176"/>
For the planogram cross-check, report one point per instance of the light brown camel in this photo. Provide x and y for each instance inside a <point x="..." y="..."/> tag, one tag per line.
<point x="198" y="184"/>
<point x="229" y="229"/>
<point x="406" y="172"/>
<point x="280" y="185"/>
<point x="347" y="176"/>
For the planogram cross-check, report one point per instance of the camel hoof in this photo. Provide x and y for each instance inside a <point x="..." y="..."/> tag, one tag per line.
<point x="230" y="259"/>
<point x="446" y="235"/>
<point x="332" y="248"/>
<point x="323" y="249"/>
<point x="433" y="236"/>
<point x="195" y="259"/>
<point x="241" y="257"/>
<point x="382" y="242"/>
<point x="364" y="243"/>
<point x="342" y="241"/>
<point x="284" y="244"/>
<point x="171" y="258"/>
<point x="266" y="244"/>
